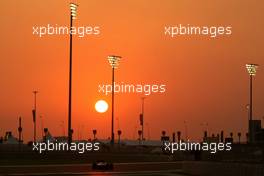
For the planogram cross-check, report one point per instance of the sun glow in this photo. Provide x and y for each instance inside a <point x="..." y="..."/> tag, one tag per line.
<point x="101" y="106"/>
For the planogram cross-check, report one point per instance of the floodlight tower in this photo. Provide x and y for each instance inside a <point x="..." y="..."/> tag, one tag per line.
<point x="252" y="69"/>
<point x="73" y="14"/>
<point x="34" y="113"/>
<point x="113" y="61"/>
<point x="141" y="117"/>
<point x="20" y="131"/>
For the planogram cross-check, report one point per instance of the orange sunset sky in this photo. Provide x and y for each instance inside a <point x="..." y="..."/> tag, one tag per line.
<point x="206" y="79"/>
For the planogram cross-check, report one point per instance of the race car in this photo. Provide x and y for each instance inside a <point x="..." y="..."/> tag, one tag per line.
<point x="102" y="165"/>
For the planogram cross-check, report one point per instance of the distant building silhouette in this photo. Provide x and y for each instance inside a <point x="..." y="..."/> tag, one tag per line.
<point x="258" y="132"/>
<point x="10" y="139"/>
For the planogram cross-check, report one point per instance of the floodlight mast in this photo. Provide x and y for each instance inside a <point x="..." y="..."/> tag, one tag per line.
<point x="34" y="111"/>
<point x="73" y="14"/>
<point x="73" y="8"/>
<point x="142" y="118"/>
<point x="113" y="61"/>
<point x="252" y="69"/>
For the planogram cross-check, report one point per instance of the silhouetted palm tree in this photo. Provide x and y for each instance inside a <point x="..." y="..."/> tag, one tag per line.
<point x="179" y="135"/>
<point x="139" y="134"/>
<point x="239" y="136"/>
<point x="119" y="132"/>
<point x="45" y="134"/>
<point x="94" y="133"/>
<point x="173" y="137"/>
<point x="231" y="135"/>
<point x="247" y="137"/>
<point x="45" y="130"/>
<point x="163" y="133"/>
<point x="222" y="136"/>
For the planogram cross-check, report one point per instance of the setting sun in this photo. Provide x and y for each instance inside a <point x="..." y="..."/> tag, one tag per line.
<point x="101" y="106"/>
